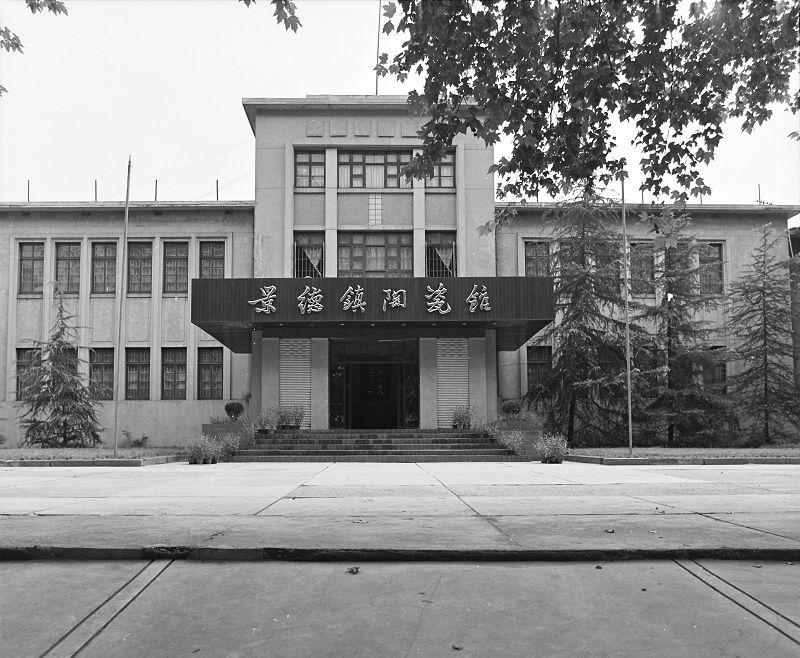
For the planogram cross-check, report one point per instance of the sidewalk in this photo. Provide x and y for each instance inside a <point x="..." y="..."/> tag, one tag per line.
<point x="431" y="511"/>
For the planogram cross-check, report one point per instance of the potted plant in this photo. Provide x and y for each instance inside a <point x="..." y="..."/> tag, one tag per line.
<point x="213" y="449"/>
<point x="234" y="409"/>
<point x="196" y="449"/>
<point x="551" y="448"/>
<point x="461" y="417"/>
<point x="267" y="420"/>
<point x="290" y="416"/>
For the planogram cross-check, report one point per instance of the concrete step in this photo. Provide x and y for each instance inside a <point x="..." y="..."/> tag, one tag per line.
<point x="359" y="440"/>
<point x="373" y="451"/>
<point x="368" y="435"/>
<point x="380" y="458"/>
<point x="384" y="445"/>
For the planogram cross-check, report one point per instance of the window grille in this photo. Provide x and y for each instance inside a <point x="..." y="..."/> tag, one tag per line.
<point x="140" y="267"/>
<point x="68" y="267"/>
<point x="104" y="267"/>
<point x="209" y="373"/>
<point x="309" y="168"/>
<point x="101" y="373"/>
<point x="31" y="267"/>
<point x="26" y="359"/>
<point x="137" y="373"/>
<point x="540" y="365"/>
<point x="173" y="373"/>
<point x="440" y="254"/>
<point x="642" y="265"/>
<point x="309" y="250"/>
<point x="537" y="258"/>
<point x="176" y="267"/>
<point x="373" y="169"/>
<point x="212" y="260"/>
<point x="443" y="172"/>
<point x="376" y="254"/>
<point x="711" y="277"/>
<point x="715" y="375"/>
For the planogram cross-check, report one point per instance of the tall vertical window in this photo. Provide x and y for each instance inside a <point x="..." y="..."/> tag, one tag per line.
<point x="715" y="375"/>
<point x="104" y="267"/>
<point x="212" y="260"/>
<point x="26" y="359"/>
<point x="309" y="250"/>
<point x="537" y="259"/>
<point x="209" y="373"/>
<point x="31" y="267"/>
<point x="176" y="267"/>
<point x="642" y="268"/>
<point x="137" y="373"/>
<point x="68" y="267"/>
<point x="173" y="373"/>
<point x="101" y="373"/>
<point x="540" y="365"/>
<point x="309" y="168"/>
<point x="443" y="172"/>
<point x="710" y="254"/>
<point x="373" y="169"/>
<point x="376" y="254"/>
<point x="440" y="254"/>
<point x="140" y="267"/>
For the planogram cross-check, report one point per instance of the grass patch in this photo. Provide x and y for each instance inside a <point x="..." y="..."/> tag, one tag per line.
<point x="7" y="454"/>
<point x="744" y="453"/>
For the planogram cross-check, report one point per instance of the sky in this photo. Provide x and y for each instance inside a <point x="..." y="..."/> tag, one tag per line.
<point x="163" y="80"/>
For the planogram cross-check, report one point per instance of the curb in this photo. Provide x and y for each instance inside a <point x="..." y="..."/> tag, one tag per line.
<point x="139" y="461"/>
<point x="679" y="461"/>
<point x="269" y="554"/>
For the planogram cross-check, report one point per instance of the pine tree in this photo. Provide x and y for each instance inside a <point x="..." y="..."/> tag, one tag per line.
<point x="58" y="405"/>
<point x="584" y="397"/>
<point x="761" y="322"/>
<point x="682" y="402"/>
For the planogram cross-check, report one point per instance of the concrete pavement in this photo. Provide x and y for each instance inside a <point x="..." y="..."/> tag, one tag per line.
<point x="681" y="608"/>
<point x="488" y="511"/>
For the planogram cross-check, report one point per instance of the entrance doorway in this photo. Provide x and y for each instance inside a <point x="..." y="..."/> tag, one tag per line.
<point x="374" y="384"/>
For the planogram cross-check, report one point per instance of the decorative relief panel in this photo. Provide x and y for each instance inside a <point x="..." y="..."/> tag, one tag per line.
<point x="338" y="127"/>
<point x="314" y="128"/>
<point x="362" y="127"/>
<point x="409" y="128"/>
<point x="385" y="127"/>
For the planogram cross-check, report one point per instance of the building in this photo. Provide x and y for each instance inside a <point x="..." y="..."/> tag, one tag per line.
<point x="367" y="300"/>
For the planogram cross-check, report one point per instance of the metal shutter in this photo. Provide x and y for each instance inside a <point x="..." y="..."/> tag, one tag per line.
<point x="295" y="375"/>
<point x="452" y="380"/>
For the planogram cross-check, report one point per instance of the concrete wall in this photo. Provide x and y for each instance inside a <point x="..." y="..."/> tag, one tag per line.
<point x="153" y="320"/>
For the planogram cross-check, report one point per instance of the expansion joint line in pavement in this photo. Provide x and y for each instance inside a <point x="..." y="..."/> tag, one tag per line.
<point x="747" y="602"/>
<point x="302" y="484"/>
<point x="87" y="629"/>
<point x="488" y="519"/>
<point x="742" y="525"/>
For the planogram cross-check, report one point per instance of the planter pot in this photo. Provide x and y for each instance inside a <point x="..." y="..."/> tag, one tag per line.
<point x="195" y="460"/>
<point x="206" y="460"/>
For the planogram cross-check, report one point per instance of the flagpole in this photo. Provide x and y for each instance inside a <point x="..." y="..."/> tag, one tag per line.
<point x="118" y="361"/>
<point x="626" y="257"/>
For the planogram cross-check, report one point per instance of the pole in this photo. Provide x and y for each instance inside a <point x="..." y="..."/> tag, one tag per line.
<point x="627" y="321"/>
<point x="29" y="190"/>
<point x="378" y="48"/>
<point x="118" y="361"/>
<point x="217" y="189"/>
<point x="95" y="190"/>
<point x="155" y="194"/>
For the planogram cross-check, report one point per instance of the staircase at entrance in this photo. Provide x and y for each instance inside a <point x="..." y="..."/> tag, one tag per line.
<point x="395" y="445"/>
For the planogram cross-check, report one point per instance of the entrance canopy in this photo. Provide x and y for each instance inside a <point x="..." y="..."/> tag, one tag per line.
<point x="231" y="309"/>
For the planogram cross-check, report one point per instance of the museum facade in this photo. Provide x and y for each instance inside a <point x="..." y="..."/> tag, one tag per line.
<point x="368" y="300"/>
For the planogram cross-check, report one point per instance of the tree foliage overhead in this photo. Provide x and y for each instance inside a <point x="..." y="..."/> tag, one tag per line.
<point x="555" y="76"/>
<point x="761" y="319"/>
<point x="57" y="401"/>
<point x="11" y="43"/>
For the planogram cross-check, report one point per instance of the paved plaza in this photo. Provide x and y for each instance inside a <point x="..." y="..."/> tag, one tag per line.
<point x="522" y="510"/>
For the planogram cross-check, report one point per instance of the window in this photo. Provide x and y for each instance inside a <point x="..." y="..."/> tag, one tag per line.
<point x="101" y="373"/>
<point x="31" y="267"/>
<point x="540" y="365"/>
<point x="26" y="359"/>
<point x="309" y="169"/>
<point x="376" y="254"/>
<point x="137" y="373"/>
<point x="68" y="267"/>
<point x="710" y="254"/>
<point x="104" y="267"/>
<point x="715" y="374"/>
<point x="373" y="169"/>
<point x="443" y="172"/>
<point x="173" y="373"/>
<point x="308" y="255"/>
<point x="537" y="259"/>
<point x="212" y="260"/>
<point x="440" y="254"/>
<point x="642" y="269"/>
<point x="176" y="267"/>
<point x="140" y="267"/>
<point x="209" y="373"/>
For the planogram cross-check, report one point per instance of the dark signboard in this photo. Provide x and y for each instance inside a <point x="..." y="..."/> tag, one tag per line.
<point x="220" y="306"/>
